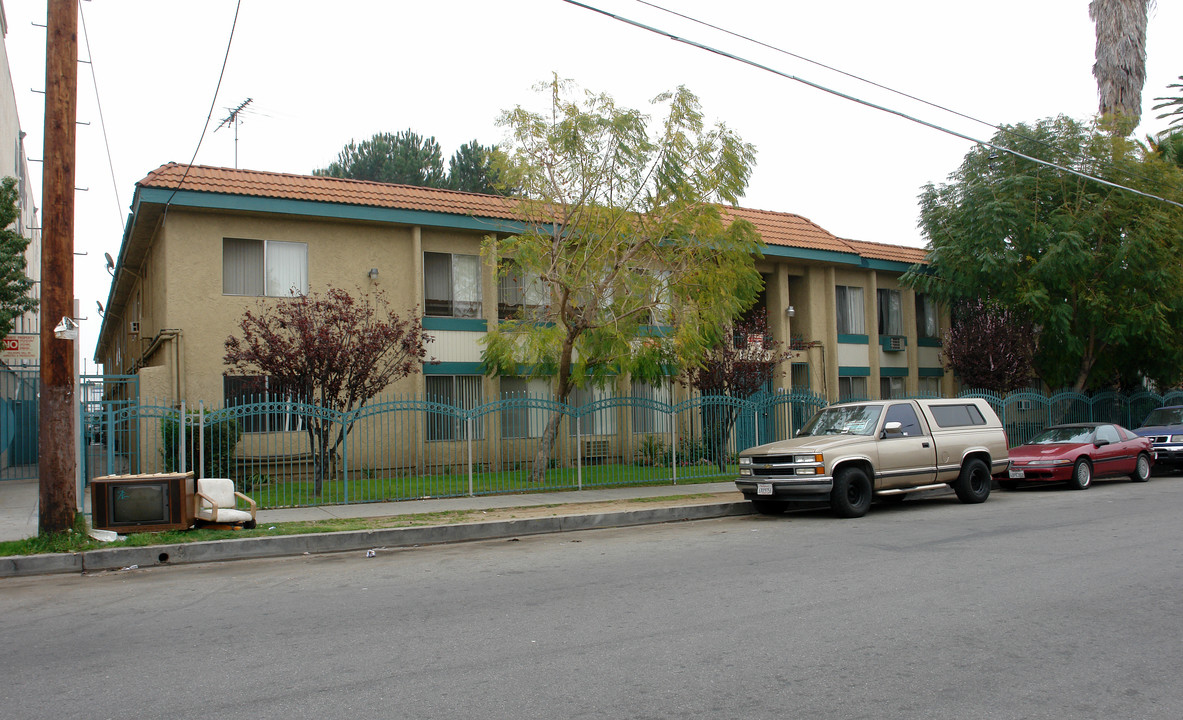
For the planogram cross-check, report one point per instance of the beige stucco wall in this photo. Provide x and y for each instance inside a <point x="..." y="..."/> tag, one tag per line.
<point x="339" y="254"/>
<point x="180" y="288"/>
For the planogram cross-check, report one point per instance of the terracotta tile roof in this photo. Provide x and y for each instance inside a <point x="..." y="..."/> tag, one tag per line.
<point x="256" y="183"/>
<point x="881" y="251"/>
<point x="790" y="230"/>
<point x="777" y="228"/>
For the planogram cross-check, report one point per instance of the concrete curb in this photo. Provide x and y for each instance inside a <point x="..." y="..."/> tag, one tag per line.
<point x="316" y="543"/>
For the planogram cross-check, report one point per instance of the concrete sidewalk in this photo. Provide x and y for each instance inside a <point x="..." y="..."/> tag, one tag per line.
<point x="19" y="517"/>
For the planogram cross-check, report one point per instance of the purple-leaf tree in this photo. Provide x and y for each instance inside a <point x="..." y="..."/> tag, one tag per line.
<point x="989" y="347"/>
<point x="739" y="365"/>
<point x="332" y="350"/>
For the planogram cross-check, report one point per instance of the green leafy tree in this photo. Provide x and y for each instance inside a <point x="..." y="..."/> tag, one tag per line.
<point x="624" y="232"/>
<point x="1095" y="267"/>
<point x="471" y="169"/>
<point x="14" y="284"/>
<point x="404" y="157"/>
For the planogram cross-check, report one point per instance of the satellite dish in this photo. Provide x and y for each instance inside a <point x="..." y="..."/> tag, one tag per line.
<point x="96" y="302"/>
<point x="110" y="263"/>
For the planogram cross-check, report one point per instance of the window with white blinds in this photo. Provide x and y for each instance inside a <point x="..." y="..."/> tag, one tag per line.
<point x="269" y="268"/>
<point x="849" y="302"/>
<point x="451" y="285"/>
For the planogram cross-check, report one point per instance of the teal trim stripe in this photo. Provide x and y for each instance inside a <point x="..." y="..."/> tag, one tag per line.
<point x="932" y="372"/>
<point x="928" y="342"/>
<point x="853" y="371"/>
<point x="893" y="372"/>
<point x="853" y="340"/>
<point x="461" y="324"/>
<point x="454" y="368"/>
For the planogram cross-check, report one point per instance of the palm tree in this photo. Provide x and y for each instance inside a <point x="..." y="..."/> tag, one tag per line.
<point x="1176" y="107"/>
<point x="1120" y="66"/>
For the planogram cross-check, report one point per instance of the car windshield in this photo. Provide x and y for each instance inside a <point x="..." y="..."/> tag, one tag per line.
<point x="1164" y="416"/>
<point x="848" y="419"/>
<point x="1061" y="435"/>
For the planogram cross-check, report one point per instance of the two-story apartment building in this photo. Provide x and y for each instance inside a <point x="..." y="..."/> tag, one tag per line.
<point x="197" y="253"/>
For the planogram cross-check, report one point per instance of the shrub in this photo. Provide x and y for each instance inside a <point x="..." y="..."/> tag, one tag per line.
<point x="221" y="439"/>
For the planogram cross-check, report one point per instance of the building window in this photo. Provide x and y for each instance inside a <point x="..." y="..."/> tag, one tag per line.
<point x="647" y="418"/>
<point x="930" y="386"/>
<point x="264" y="268"/>
<point x="521" y="295"/>
<point x="799" y="376"/>
<point x="452" y="285"/>
<point x="278" y="414"/>
<point x="891" y="387"/>
<point x="850" y="310"/>
<point x="601" y="422"/>
<point x="458" y="391"/>
<point x="891" y="315"/>
<point x="523" y="422"/>
<point x="927" y="318"/>
<point x="852" y="388"/>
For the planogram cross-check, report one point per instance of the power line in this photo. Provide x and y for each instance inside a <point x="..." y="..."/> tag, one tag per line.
<point x="993" y="126"/>
<point x="102" y="122"/>
<point x="866" y="103"/>
<point x="210" y="114"/>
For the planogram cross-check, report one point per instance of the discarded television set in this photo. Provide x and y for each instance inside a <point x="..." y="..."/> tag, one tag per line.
<point x="142" y="503"/>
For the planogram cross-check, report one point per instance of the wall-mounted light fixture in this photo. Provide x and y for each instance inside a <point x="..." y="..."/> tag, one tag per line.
<point x="373" y="273"/>
<point x="790" y="311"/>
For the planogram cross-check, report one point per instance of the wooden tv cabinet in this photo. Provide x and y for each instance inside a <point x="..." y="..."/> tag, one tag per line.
<point x="181" y="488"/>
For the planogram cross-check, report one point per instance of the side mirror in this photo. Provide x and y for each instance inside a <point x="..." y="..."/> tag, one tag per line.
<point x="891" y="428"/>
<point x="1100" y="443"/>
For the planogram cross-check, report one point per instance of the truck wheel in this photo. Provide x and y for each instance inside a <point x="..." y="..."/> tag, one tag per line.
<point x="769" y="507"/>
<point x="1082" y="475"/>
<point x="1141" y="469"/>
<point x="851" y="496"/>
<point x="973" y="485"/>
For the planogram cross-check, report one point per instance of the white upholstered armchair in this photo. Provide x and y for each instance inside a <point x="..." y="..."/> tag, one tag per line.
<point x="216" y="502"/>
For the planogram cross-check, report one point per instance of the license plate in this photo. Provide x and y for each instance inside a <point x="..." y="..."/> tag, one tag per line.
<point x="1017" y="474"/>
<point x="764" y="489"/>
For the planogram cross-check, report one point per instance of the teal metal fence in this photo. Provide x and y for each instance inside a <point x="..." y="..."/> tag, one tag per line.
<point x="288" y="453"/>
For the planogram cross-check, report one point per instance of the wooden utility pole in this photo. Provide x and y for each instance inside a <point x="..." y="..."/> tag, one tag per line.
<point x="59" y="500"/>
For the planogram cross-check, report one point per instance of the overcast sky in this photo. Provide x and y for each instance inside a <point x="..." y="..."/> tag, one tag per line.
<point x="323" y="73"/>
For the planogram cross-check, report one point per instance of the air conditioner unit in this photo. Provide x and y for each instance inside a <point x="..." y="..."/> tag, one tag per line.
<point x="133" y="327"/>
<point x="896" y="343"/>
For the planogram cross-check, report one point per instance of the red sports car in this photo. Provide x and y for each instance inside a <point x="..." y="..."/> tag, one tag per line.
<point x="1077" y="453"/>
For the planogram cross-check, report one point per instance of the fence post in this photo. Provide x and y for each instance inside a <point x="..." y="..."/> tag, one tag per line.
<point x="110" y="437"/>
<point x="201" y="438"/>
<point x="345" y="460"/>
<point x="182" y="429"/>
<point x="579" y="451"/>
<point x="468" y="436"/>
<point x="674" y="447"/>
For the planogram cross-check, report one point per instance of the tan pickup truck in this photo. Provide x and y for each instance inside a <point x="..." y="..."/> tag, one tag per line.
<point x="850" y="453"/>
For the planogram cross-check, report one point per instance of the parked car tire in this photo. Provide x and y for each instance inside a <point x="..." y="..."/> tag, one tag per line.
<point x="1082" y="475"/>
<point x="851" y="496"/>
<point x="769" y="507"/>
<point x="1141" y="469"/>
<point x="973" y="485"/>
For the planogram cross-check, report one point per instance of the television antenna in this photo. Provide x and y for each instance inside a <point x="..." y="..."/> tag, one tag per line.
<point x="233" y="119"/>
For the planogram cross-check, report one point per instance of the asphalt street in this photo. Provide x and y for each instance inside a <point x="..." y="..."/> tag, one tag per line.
<point x="1038" y="604"/>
